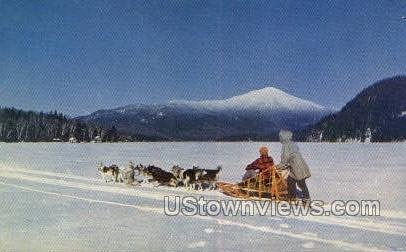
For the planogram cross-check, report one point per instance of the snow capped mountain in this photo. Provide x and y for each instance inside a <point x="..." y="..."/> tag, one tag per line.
<point x="257" y="114"/>
<point x="266" y="99"/>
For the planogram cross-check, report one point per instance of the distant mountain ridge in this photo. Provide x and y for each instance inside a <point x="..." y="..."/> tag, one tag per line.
<point x="259" y="113"/>
<point x="377" y="114"/>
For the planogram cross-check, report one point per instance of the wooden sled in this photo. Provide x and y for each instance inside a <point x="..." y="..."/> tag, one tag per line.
<point x="267" y="185"/>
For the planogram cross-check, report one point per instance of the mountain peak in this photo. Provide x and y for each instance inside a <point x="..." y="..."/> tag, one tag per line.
<point x="265" y="93"/>
<point x="269" y="89"/>
<point x="268" y="98"/>
<point x="258" y="113"/>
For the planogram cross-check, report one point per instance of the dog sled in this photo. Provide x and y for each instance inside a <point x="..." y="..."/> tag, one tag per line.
<point x="266" y="185"/>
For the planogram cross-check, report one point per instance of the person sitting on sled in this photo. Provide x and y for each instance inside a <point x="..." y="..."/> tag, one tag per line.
<point x="293" y="162"/>
<point x="260" y="164"/>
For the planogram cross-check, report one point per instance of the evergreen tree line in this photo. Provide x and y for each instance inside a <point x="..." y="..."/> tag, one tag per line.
<point x="28" y="126"/>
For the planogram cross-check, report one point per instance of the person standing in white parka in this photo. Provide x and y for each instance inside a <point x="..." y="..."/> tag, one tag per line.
<point x="293" y="162"/>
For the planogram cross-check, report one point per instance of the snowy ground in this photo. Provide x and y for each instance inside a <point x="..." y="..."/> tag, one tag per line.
<point x="52" y="199"/>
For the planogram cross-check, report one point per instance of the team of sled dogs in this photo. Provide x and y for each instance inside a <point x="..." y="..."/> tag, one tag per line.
<point x="195" y="178"/>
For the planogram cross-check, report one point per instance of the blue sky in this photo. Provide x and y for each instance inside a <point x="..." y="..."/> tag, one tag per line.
<point x="80" y="56"/>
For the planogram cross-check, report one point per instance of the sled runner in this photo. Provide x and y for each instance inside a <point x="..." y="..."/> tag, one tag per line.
<point x="268" y="184"/>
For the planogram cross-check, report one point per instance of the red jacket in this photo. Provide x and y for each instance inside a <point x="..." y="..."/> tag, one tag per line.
<point x="261" y="164"/>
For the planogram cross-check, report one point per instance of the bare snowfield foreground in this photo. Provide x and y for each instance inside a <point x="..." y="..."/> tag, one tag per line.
<point x="52" y="199"/>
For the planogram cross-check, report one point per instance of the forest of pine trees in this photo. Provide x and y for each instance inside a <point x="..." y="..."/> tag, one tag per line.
<point x="378" y="112"/>
<point x="28" y="126"/>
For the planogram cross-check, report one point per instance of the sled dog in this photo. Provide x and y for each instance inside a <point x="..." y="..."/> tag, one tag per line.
<point x="190" y="178"/>
<point x="109" y="173"/>
<point x="210" y="177"/>
<point x="127" y="175"/>
<point x="157" y="175"/>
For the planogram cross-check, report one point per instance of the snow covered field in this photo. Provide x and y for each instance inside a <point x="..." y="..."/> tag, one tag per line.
<point x="52" y="199"/>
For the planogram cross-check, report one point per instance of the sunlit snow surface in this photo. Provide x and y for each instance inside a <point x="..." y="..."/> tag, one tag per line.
<point x="52" y="199"/>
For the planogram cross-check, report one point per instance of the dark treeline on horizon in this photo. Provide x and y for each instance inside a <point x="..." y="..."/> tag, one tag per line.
<point x="28" y="126"/>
